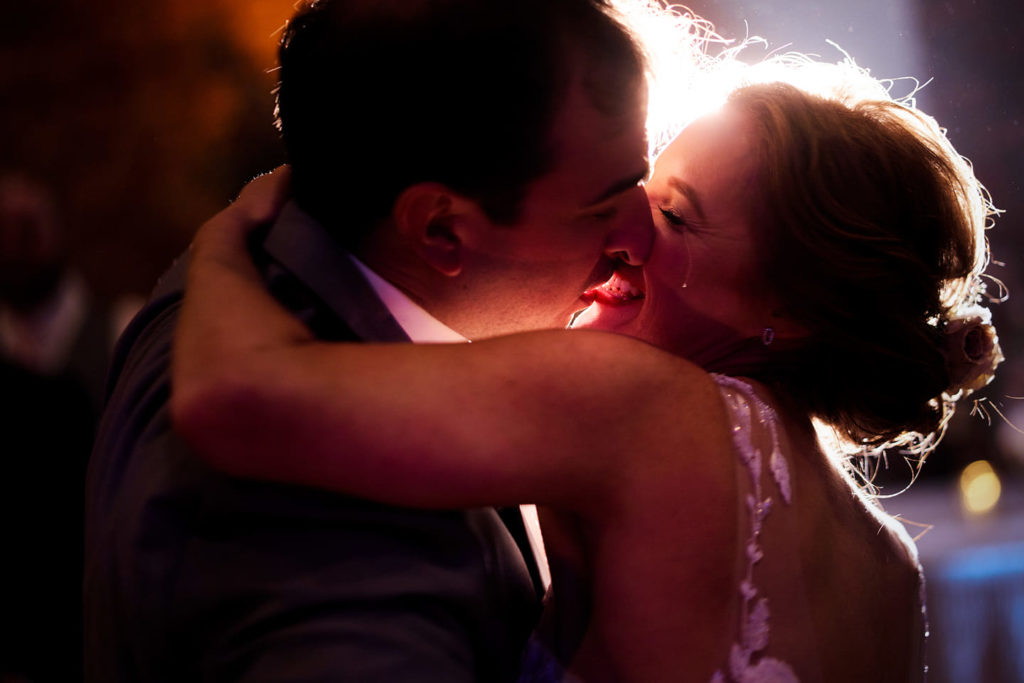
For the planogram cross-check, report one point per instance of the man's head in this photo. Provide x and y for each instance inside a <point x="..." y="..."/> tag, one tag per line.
<point x="471" y="102"/>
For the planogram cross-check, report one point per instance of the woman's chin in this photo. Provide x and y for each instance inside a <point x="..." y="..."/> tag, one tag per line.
<point x="609" y="317"/>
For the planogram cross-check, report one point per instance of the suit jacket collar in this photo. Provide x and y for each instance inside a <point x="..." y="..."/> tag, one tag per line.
<point x="303" y="247"/>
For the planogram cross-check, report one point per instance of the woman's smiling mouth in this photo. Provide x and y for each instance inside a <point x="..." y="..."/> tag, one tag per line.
<point x="622" y="288"/>
<point x="613" y="303"/>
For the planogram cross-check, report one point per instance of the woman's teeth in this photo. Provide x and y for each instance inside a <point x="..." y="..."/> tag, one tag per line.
<point x="616" y="290"/>
<point x="621" y="288"/>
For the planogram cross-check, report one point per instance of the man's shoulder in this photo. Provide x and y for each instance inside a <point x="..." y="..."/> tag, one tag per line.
<point x="149" y="333"/>
<point x="145" y="345"/>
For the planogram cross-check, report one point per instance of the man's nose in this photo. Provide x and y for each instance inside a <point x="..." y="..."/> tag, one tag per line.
<point x="631" y="240"/>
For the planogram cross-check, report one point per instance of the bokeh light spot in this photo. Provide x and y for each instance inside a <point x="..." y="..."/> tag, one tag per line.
<point x="979" y="488"/>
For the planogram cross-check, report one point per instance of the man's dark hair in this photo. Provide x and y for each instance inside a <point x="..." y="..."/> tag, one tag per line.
<point x="377" y="95"/>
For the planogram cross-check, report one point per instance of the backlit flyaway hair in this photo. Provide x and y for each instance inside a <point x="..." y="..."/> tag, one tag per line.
<point x="874" y="227"/>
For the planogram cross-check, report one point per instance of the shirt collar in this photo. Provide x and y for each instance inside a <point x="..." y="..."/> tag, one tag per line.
<point x="421" y="327"/>
<point x="42" y="339"/>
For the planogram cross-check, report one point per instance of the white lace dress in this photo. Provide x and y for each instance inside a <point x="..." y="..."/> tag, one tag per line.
<point x="746" y="665"/>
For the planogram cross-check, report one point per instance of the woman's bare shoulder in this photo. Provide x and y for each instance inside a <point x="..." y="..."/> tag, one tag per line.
<point x="622" y="404"/>
<point x="599" y="364"/>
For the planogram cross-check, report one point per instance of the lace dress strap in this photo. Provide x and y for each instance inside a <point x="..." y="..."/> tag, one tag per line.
<point x="746" y="409"/>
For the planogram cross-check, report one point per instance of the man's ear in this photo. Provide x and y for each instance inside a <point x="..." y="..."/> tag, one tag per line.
<point x="431" y="216"/>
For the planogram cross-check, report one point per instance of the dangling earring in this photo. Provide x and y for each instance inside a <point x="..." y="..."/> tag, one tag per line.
<point x="768" y="336"/>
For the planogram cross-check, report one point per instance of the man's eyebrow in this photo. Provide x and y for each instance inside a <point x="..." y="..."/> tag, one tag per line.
<point x="691" y="194"/>
<point x="617" y="187"/>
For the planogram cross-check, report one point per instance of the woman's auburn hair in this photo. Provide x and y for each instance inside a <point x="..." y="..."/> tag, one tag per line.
<point x="872" y="232"/>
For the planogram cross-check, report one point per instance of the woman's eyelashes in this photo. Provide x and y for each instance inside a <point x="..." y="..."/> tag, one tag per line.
<point x="672" y="216"/>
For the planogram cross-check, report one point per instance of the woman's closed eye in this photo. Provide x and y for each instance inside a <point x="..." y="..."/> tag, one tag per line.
<point x="672" y="216"/>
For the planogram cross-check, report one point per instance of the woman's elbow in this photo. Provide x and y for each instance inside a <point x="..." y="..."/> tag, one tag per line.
<point x="211" y="414"/>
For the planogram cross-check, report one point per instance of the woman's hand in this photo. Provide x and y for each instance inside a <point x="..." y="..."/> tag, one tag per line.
<point x="222" y="239"/>
<point x="228" y="319"/>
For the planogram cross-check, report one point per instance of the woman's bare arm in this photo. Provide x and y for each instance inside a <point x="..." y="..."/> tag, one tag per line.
<point x="549" y="417"/>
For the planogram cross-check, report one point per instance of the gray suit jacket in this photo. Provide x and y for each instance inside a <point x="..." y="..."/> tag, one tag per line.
<point x="195" y="576"/>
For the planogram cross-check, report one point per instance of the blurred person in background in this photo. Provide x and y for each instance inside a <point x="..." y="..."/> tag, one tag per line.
<point x="55" y="345"/>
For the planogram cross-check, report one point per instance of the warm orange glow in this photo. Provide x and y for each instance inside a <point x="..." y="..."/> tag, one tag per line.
<point x="256" y="26"/>
<point x="979" y="488"/>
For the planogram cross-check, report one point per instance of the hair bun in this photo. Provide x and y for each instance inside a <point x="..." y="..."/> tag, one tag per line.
<point x="971" y="350"/>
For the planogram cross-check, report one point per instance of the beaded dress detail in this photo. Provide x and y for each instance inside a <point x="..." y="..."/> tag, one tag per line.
<point x="746" y="664"/>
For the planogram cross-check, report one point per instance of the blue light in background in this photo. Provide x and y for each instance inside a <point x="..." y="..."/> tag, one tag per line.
<point x="984" y="564"/>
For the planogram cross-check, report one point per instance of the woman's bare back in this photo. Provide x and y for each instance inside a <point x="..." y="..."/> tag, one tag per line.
<point x="842" y="576"/>
<point x="675" y="582"/>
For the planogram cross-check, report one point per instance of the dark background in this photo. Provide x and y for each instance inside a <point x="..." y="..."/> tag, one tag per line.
<point x="146" y="118"/>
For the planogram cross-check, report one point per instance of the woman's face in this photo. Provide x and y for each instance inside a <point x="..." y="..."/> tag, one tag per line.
<point x="700" y="291"/>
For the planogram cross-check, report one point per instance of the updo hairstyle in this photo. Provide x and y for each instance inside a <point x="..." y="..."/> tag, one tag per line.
<point x="873" y="240"/>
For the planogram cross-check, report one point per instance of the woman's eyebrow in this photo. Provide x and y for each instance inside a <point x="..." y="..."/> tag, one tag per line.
<point x="690" y="193"/>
